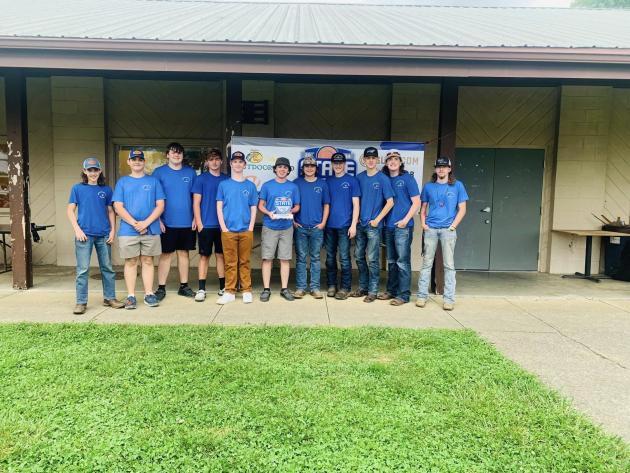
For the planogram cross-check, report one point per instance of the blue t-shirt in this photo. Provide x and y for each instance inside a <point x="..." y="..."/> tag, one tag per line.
<point x="443" y="200"/>
<point x="92" y="208"/>
<point x="279" y="198"/>
<point x="138" y="195"/>
<point x="405" y="187"/>
<point x="177" y="186"/>
<point x="238" y="198"/>
<point x="342" y="190"/>
<point x="206" y="185"/>
<point x="313" y="197"/>
<point x="374" y="191"/>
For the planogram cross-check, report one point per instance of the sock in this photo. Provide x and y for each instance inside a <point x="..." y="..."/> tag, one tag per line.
<point x="267" y="289"/>
<point x="202" y="284"/>
<point x="282" y="289"/>
<point x="162" y="286"/>
<point x="182" y="285"/>
<point x="131" y="295"/>
<point x="221" y="283"/>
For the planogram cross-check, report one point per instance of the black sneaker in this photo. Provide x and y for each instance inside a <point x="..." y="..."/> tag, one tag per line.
<point x="265" y="295"/>
<point x="186" y="291"/>
<point x="287" y="294"/>
<point x="160" y="294"/>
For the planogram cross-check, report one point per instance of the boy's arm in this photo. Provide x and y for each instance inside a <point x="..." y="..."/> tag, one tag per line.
<point x="197" y="211"/>
<point x="415" y="205"/>
<point x="222" y="224"/>
<point x="252" y="218"/>
<point x="326" y="211"/>
<point x="389" y="203"/>
<point x="461" y="211"/>
<point x="112" y="224"/>
<point x="423" y="215"/>
<point x="356" y="208"/>
<point x="157" y="211"/>
<point x="78" y="233"/>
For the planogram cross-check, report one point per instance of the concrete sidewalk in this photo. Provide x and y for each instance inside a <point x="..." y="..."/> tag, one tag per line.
<point x="575" y="335"/>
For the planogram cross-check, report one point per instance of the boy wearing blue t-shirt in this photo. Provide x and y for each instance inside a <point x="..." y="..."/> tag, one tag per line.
<point x="236" y="212"/>
<point x="399" y="230"/>
<point x="139" y="201"/>
<point x="377" y="199"/>
<point x="309" y="224"/>
<point x="341" y="226"/>
<point x="94" y="227"/>
<point x="177" y="223"/>
<point x="279" y="200"/>
<point x="445" y="198"/>
<point x="205" y="209"/>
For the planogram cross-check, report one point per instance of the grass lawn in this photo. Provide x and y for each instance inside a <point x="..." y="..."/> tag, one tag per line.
<point x="125" y="398"/>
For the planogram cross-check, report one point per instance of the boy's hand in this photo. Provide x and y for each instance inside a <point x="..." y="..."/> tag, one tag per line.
<point x="79" y="235"/>
<point x="110" y="238"/>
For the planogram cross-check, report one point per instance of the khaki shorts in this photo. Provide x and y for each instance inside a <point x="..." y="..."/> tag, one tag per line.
<point x="282" y="240"/>
<point x="139" y="245"/>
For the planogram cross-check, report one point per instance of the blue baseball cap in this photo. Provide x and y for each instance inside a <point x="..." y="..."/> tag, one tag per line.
<point x="136" y="153"/>
<point x="91" y="162"/>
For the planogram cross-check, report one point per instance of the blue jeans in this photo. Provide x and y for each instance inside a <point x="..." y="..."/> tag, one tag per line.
<point x="398" y="241"/>
<point x="308" y="242"/>
<point x="83" y="252"/>
<point x="337" y="238"/>
<point x="366" y="255"/>
<point x="447" y="238"/>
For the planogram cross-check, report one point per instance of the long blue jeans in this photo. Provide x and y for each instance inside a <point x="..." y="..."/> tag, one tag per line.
<point x="83" y="252"/>
<point x="366" y="255"/>
<point x="308" y="242"/>
<point x="447" y="238"/>
<point x="398" y="241"/>
<point x="337" y="238"/>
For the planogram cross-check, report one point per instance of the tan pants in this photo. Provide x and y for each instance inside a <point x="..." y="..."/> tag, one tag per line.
<point x="237" y="248"/>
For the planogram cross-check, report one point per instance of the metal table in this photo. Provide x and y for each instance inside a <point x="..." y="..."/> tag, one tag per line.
<point x="589" y="234"/>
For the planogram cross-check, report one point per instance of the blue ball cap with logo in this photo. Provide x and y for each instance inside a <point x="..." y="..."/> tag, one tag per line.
<point x="442" y="162"/>
<point x="237" y="155"/>
<point x="136" y="153"/>
<point x="91" y="162"/>
<point x="338" y="158"/>
<point x="370" y="151"/>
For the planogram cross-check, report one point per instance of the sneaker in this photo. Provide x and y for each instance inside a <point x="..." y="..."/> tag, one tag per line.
<point x="151" y="300"/>
<point x="247" y="298"/>
<point x="421" y="302"/>
<point x="358" y="293"/>
<point x="226" y="298"/>
<point x="186" y="291"/>
<point x="113" y="303"/>
<point x="221" y="292"/>
<point x="265" y="295"/>
<point x="79" y="309"/>
<point x="299" y="294"/>
<point x="130" y="302"/>
<point x="448" y="306"/>
<point x="200" y="296"/>
<point x="316" y="294"/>
<point x="286" y="294"/>
<point x="160" y="293"/>
<point x="332" y="290"/>
<point x="384" y="296"/>
<point x="341" y="295"/>
<point x="369" y="298"/>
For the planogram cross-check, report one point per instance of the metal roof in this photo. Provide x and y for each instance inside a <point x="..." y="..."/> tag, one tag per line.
<point x="315" y="24"/>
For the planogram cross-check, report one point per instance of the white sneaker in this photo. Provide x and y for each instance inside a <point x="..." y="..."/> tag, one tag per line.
<point x="200" y="296"/>
<point x="226" y="298"/>
<point x="247" y="297"/>
<point x="221" y="292"/>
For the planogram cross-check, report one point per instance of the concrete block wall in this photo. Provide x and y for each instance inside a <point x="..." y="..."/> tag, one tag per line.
<point x="415" y="117"/>
<point x="78" y="130"/>
<point x="617" y="199"/>
<point x="580" y="183"/>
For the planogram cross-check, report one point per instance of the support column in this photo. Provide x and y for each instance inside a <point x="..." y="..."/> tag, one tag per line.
<point x="446" y="147"/>
<point x="17" y="141"/>
<point x="233" y="108"/>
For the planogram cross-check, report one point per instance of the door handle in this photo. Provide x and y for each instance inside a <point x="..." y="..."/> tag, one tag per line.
<point x="486" y="210"/>
<point x="486" y="221"/>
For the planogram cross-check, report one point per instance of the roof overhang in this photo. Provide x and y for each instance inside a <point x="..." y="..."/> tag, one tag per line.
<point x="314" y="59"/>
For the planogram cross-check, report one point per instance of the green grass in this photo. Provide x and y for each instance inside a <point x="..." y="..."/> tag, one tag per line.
<point x="124" y="398"/>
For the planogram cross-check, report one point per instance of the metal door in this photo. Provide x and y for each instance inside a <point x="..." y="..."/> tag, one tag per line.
<point x="475" y="168"/>
<point x="516" y="209"/>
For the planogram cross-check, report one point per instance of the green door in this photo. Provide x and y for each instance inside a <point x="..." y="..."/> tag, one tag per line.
<point x="503" y="218"/>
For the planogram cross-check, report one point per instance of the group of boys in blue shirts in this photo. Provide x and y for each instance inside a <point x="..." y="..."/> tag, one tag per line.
<point x="166" y="212"/>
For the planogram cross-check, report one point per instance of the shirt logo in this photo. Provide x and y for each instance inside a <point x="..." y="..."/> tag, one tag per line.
<point x="318" y="190"/>
<point x="245" y="192"/>
<point x="288" y="193"/>
<point x="400" y="184"/>
<point x="345" y="185"/>
<point x="450" y="194"/>
<point x="146" y="187"/>
<point x="186" y="179"/>
<point x="101" y="195"/>
<point x="376" y="186"/>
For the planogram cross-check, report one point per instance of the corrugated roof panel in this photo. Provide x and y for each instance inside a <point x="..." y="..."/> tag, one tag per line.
<point x="316" y="23"/>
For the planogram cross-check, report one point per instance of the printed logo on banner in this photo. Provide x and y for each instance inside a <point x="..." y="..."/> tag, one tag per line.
<point x="256" y="161"/>
<point x="254" y="157"/>
<point x="323" y="154"/>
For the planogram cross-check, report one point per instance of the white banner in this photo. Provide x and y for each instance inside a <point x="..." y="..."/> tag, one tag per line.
<point x="261" y="154"/>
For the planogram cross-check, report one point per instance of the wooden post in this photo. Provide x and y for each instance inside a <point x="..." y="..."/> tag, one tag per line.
<point x="446" y="147"/>
<point x="17" y="142"/>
